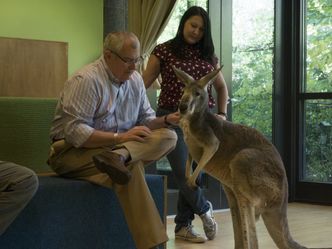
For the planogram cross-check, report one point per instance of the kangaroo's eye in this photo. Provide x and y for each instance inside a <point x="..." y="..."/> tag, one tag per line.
<point x="197" y="93"/>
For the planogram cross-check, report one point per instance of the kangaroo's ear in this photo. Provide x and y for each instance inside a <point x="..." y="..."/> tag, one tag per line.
<point x="208" y="78"/>
<point x="183" y="76"/>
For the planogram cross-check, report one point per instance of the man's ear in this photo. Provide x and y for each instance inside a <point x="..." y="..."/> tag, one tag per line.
<point x="107" y="54"/>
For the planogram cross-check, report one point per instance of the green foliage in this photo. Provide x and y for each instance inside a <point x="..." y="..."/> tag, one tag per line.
<point x="318" y="116"/>
<point x="318" y="141"/>
<point x="319" y="46"/>
<point x="252" y="65"/>
<point x="252" y="82"/>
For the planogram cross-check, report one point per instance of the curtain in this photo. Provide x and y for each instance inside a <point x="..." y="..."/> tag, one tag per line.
<point x="147" y="19"/>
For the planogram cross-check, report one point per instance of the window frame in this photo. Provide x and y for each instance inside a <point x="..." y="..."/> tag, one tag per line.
<point x="289" y="99"/>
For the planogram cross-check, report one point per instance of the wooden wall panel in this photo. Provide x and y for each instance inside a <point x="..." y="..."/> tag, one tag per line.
<point x="32" y="68"/>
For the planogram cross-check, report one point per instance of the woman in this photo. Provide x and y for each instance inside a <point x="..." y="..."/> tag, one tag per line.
<point x="192" y="51"/>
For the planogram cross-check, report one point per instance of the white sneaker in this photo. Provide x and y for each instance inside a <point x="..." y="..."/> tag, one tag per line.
<point x="188" y="233"/>
<point x="209" y="224"/>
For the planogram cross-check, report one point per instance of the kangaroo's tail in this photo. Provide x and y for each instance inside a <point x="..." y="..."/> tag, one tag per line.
<point x="276" y="222"/>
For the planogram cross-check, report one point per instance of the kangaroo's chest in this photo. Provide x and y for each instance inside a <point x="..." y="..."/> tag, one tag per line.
<point x="189" y="137"/>
<point x="195" y="144"/>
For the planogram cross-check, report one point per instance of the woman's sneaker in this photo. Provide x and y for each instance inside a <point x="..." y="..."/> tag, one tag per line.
<point x="188" y="233"/>
<point x="209" y="224"/>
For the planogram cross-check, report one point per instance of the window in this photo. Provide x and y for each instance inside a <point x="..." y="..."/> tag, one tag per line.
<point x="252" y="63"/>
<point x="316" y="92"/>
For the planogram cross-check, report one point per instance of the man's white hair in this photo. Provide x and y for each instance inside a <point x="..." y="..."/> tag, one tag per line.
<point x="114" y="41"/>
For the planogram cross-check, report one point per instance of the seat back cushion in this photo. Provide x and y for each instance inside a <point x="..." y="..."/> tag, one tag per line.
<point x="24" y="131"/>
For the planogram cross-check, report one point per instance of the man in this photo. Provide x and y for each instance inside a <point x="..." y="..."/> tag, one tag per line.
<point x="17" y="186"/>
<point x="105" y="131"/>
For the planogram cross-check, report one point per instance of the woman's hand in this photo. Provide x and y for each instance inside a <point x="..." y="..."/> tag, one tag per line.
<point x="222" y="116"/>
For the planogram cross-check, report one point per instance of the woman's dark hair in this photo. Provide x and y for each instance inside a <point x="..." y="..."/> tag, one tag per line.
<point x="205" y="45"/>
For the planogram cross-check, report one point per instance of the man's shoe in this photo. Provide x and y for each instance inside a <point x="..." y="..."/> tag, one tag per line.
<point x="188" y="233"/>
<point x="209" y="224"/>
<point x="113" y="164"/>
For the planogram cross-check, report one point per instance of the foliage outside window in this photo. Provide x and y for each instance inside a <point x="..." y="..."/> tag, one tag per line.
<point x="319" y="46"/>
<point x="252" y="76"/>
<point x="318" y="141"/>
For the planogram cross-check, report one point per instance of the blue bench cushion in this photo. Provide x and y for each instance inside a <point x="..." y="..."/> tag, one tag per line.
<point x="73" y="214"/>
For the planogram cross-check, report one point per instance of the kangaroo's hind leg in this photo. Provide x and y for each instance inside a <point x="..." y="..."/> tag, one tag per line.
<point x="248" y="222"/>
<point x="245" y="192"/>
<point x="236" y="219"/>
<point x="243" y="218"/>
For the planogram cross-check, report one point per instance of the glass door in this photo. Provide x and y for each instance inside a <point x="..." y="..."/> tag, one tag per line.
<point x="315" y="104"/>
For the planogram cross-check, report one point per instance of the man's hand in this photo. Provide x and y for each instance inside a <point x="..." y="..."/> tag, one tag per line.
<point x="173" y="118"/>
<point x="138" y="133"/>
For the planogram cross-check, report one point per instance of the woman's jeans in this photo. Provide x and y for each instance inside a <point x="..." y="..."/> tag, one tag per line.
<point x="191" y="200"/>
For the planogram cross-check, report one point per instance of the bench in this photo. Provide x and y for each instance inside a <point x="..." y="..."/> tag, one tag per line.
<point x="64" y="213"/>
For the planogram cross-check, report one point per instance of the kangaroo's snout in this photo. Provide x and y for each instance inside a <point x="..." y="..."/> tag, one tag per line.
<point x="183" y="108"/>
<point x="184" y="103"/>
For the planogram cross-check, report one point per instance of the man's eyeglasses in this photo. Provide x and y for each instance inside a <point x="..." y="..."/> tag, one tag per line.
<point x="136" y="61"/>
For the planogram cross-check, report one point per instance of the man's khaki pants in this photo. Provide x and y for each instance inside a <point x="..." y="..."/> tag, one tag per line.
<point x="139" y="208"/>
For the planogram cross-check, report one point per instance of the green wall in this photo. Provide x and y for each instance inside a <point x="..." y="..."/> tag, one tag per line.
<point x="77" y="22"/>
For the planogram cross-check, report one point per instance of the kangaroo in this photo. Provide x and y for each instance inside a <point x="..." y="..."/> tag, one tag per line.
<point x="243" y="160"/>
